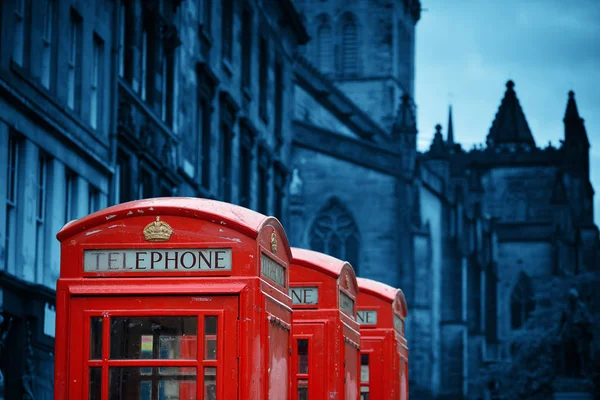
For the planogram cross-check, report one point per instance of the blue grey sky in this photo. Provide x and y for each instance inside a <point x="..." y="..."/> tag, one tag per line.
<point x="468" y="49"/>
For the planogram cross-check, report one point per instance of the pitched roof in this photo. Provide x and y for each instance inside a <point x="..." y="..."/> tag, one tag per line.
<point x="510" y="125"/>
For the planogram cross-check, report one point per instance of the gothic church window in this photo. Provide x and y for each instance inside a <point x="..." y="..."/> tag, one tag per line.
<point x="335" y="232"/>
<point x="521" y="302"/>
<point x="324" y="46"/>
<point x="349" y="46"/>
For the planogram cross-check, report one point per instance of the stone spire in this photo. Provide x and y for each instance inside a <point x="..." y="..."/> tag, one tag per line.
<point x="450" y="139"/>
<point x="574" y="127"/>
<point x="510" y="126"/>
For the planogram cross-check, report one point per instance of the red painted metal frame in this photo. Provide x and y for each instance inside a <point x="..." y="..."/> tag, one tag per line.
<point x="386" y="346"/>
<point x="264" y="306"/>
<point x="332" y="331"/>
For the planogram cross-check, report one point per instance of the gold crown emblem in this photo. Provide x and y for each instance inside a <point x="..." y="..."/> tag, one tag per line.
<point x="157" y="231"/>
<point x="273" y="243"/>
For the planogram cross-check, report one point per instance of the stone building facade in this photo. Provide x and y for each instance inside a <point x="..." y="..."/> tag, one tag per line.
<point x="106" y="101"/>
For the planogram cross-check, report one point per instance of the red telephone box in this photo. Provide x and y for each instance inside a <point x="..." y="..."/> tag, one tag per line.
<point x="173" y="298"/>
<point x="384" y="351"/>
<point x="325" y="331"/>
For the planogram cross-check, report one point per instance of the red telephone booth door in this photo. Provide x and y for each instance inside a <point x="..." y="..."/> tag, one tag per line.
<point x="351" y="372"/>
<point x="309" y="361"/>
<point x="147" y="348"/>
<point x="372" y="365"/>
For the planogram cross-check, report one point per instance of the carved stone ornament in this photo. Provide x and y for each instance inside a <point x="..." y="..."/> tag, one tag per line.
<point x="273" y="243"/>
<point x="157" y="231"/>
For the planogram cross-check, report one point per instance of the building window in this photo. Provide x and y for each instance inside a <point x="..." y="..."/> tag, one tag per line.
<point x="11" y="201"/>
<point x="204" y="13"/>
<point x="204" y="122"/>
<point x="521" y="302"/>
<point x="21" y="31"/>
<point x="349" y="46"/>
<point x="46" y="66"/>
<point x="144" y="76"/>
<point x="263" y="181"/>
<point x="245" y="167"/>
<point x="145" y="185"/>
<point x="70" y="195"/>
<point x="96" y="85"/>
<point x="41" y="211"/>
<point x="94" y="199"/>
<point x="122" y="23"/>
<point x="124" y="178"/>
<point x="227" y="30"/>
<point x="279" y="192"/>
<point x="246" y="48"/>
<point x="279" y="92"/>
<point x="325" y="46"/>
<point x="335" y="232"/>
<point x="226" y="139"/>
<point x="164" y="88"/>
<point x="263" y="77"/>
<point x="74" y="72"/>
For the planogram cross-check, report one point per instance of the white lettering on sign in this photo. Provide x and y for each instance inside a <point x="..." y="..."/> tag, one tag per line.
<point x="346" y="303"/>
<point x="272" y="270"/>
<point x="399" y="324"/>
<point x="366" y="317"/>
<point x="304" y="295"/>
<point x="157" y="260"/>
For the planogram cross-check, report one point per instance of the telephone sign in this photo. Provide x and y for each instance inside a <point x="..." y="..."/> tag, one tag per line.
<point x="366" y="317"/>
<point x="150" y="260"/>
<point x="304" y="295"/>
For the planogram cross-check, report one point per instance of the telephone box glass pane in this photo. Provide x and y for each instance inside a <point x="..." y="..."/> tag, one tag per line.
<point x="96" y="338"/>
<point x="169" y="383"/>
<point x="210" y="338"/>
<point x="95" y="383"/>
<point x="364" y="368"/>
<point x="302" y="389"/>
<point x="210" y="383"/>
<point x="153" y="337"/>
<point x="302" y="356"/>
<point x="364" y="393"/>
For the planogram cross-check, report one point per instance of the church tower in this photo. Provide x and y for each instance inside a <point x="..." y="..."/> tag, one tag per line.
<point x="367" y="48"/>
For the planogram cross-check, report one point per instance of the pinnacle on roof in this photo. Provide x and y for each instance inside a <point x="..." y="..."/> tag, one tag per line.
<point x="574" y="127"/>
<point x="571" y="114"/>
<point x="450" y="139"/>
<point x="438" y="146"/>
<point x="510" y="125"/>
<point x="405" y="119"/>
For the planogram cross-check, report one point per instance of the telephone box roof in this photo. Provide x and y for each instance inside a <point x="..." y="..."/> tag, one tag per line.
<point x="384" y="292"/>
<point x="238" y="218"/>
<point x="320" y="262"/>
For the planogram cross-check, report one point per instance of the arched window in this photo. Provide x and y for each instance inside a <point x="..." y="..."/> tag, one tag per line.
<point x="521" y="302"/>
<point x="349" y="61"/>
<point x="334" y="232"/>
<point x="324" y="44"/>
